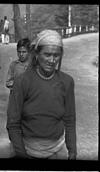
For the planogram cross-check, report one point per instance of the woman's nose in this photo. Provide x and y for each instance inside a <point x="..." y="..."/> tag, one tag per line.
<point x="52" y="60"/>
<point x="21" y="53"/>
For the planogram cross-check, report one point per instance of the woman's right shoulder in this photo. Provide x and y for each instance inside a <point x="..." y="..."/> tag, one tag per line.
<point x="13" y="63"/>
<point x="28" y="74"/>
<point x="25" y="78"/>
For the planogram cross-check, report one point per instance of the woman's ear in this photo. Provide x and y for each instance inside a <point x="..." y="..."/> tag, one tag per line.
<point x="59" y="65"/>
<point x="36" y="56"/>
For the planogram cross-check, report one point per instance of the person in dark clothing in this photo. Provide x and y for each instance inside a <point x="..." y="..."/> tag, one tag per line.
<point x="1" y="25"/>
<point x="41" y="116"/>
<point x="2" y="30"/>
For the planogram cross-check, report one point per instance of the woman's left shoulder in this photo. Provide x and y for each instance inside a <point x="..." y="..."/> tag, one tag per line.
<point x="66" y="77"/>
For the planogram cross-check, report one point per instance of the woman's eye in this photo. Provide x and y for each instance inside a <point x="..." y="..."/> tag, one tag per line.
<point x="47" y="55"/>
<point x="56" y="55"/>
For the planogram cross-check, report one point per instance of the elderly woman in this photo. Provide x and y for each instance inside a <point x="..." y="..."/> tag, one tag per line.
<point x="41" y="118"/>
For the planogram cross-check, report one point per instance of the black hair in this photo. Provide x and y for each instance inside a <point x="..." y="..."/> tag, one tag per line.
<point x="35" y="61"/>
<point x="1" y="20"/>
<point x="25" y="42"/>
<point x="5" y="17"/>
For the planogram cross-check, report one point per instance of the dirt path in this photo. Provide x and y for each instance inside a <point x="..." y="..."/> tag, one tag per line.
<point x="79" y="52"/>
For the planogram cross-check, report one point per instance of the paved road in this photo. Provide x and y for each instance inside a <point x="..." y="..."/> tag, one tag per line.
<point x="79" y="53"/>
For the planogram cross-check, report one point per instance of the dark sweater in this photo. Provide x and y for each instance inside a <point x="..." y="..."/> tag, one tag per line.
<point x="41" y="108"/>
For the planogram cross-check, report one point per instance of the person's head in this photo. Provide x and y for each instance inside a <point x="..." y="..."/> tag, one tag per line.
<point x="5" y="17"/>
<point x="49" y="50"/>
<point x="23" y="49"/>
<point x="1" y="21"/>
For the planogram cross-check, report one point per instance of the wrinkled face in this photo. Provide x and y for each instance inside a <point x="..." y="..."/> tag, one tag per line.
<point x="23" y="54"/>
<point x="49" y="57"/>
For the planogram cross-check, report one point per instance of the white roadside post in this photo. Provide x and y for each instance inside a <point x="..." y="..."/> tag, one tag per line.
<point x="75" y="28"/>
<point x="86" y="28"/>
<point x="80" y="28"/>
<point x="69" y="20"/>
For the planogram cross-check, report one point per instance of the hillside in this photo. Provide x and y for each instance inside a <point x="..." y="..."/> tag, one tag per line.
<point x="51" y="15"/>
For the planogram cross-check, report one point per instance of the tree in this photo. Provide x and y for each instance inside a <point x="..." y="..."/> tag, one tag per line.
<point x="84" y="14"/>
<point x="18" y="24"/>
<point x="49" y="16"/>
<point x="61" y="17"/>
<point x="28" y="29"/>
<point x="43" y="18"/>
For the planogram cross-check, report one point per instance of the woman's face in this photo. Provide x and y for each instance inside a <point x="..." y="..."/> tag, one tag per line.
<point x="23" y="54"/>
<point x="49" y="57"/>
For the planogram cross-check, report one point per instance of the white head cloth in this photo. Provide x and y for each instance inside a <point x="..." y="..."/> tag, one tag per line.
<point x="48" y="37"/>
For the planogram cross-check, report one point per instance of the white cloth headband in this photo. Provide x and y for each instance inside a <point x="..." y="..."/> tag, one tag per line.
<point x="48" y="37"/>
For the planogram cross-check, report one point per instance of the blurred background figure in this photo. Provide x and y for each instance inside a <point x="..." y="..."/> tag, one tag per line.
<point x="6" y="31"/>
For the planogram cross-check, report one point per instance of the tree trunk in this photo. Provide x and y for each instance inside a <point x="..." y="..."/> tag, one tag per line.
<point x="19" y="31"/>
<point x="28" y="22"/>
